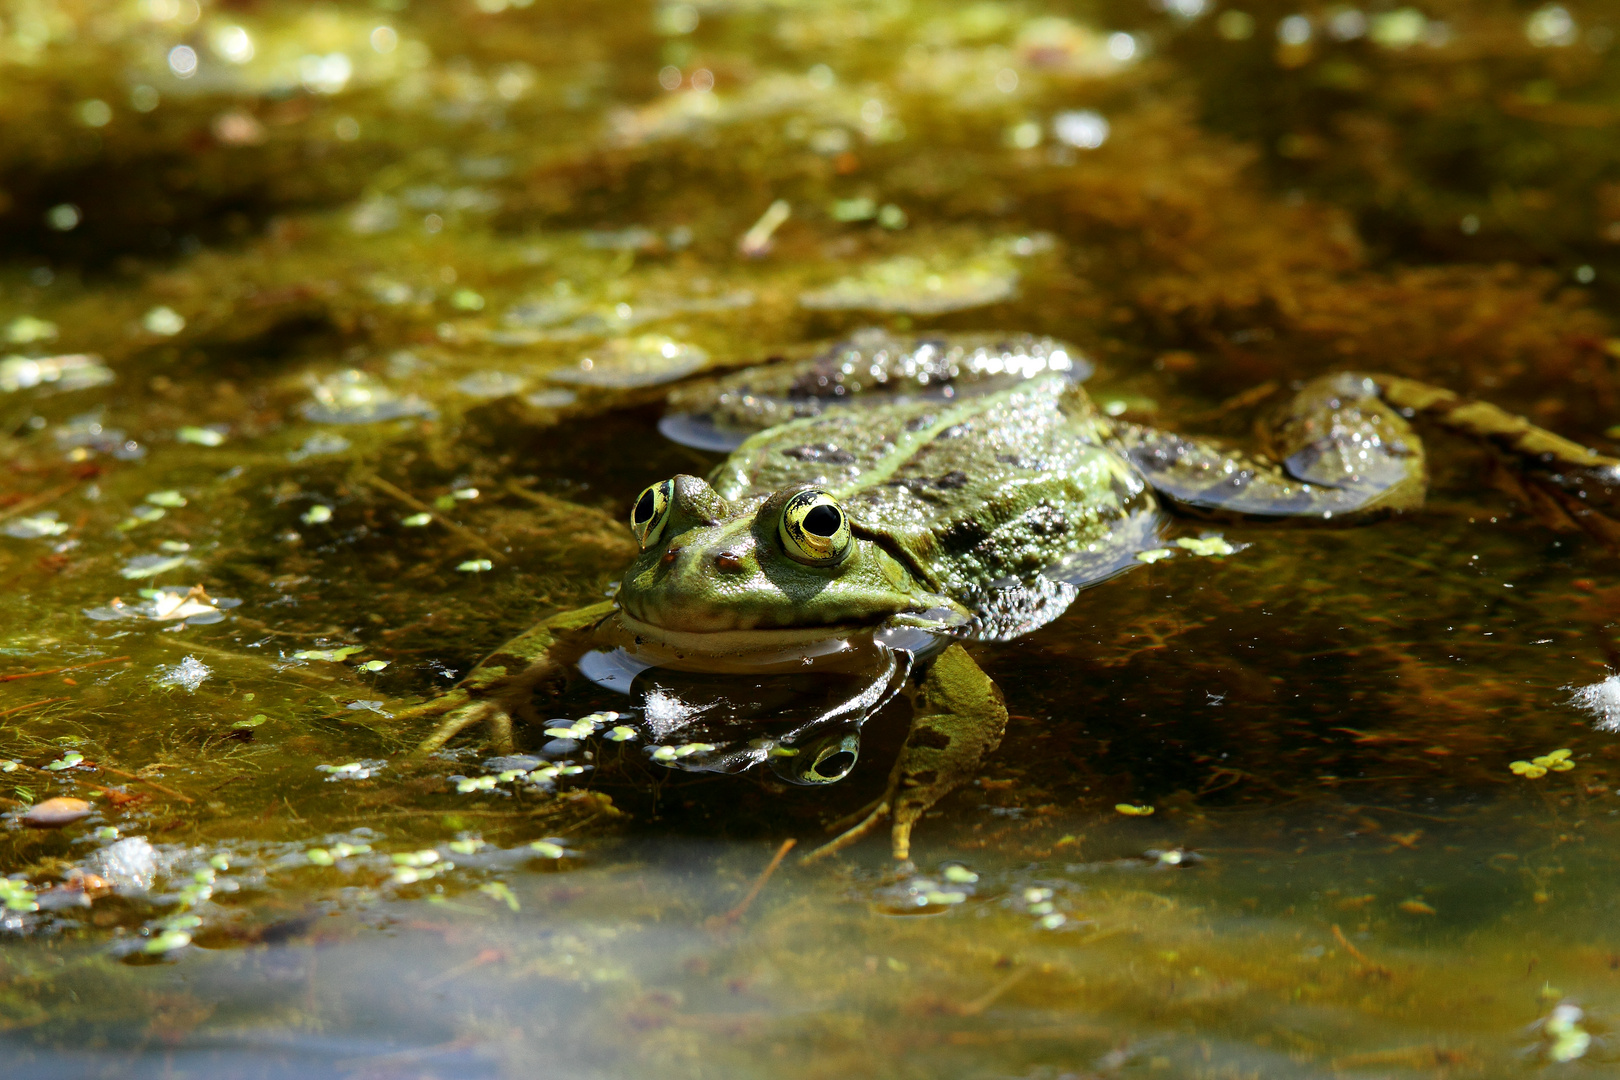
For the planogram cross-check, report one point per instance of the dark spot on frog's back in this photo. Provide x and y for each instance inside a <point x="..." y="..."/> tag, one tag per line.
<point x="962" y="536"/>
<point x="824" y="452"/>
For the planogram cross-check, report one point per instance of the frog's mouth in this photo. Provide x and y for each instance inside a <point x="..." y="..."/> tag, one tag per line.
<point x="761" y="646"/>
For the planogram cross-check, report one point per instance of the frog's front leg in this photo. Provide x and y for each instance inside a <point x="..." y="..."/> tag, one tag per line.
<point x="958" y="721"/>
<point x="503" y="682"/>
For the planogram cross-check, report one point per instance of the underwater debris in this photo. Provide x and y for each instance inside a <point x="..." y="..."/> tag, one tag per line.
<point x="168" y="604"/>
<point x="188" y="674"/>
<point x="56" y="813"/>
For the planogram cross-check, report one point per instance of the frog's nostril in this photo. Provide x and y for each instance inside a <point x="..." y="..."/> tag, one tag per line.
<point x="669" y="556"/>
<point x="728" y="561"/>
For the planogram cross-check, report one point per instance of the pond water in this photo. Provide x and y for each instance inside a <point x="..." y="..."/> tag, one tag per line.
<point x="335" y="344"/>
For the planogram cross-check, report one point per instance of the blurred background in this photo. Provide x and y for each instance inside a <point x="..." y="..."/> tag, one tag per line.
<point x="360" y="316"/>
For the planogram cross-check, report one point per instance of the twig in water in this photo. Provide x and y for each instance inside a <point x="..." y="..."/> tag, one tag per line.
<point x="759" y="883"/>
<point x="1368" y="966"/>
<point x="31" y="705"/>
<point x="417" y="504"/>
<point x="59" y="670"/>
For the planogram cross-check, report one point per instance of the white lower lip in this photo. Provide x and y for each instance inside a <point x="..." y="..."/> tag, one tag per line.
<point x="749" y="647"/>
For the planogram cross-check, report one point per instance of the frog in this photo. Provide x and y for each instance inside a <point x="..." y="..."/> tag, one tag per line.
<point x="939" y="493"/>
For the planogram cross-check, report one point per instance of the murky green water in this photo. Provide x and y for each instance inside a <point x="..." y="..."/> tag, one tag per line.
<point x="295" y="299"/>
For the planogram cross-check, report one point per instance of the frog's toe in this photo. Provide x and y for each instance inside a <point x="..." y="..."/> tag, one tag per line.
<point x="485" y="711"/>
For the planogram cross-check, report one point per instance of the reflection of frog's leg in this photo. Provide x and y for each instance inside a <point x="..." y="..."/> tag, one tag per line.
<point x="508" y="677"/>
<point x="959" y="720"/>
<point x="1564" y="481"/>
<point x="1343" y="452"/>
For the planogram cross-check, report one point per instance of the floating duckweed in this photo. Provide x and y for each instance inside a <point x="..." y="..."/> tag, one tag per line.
<point x="475" y="566"/>
<point x="416" y="521"/>
<point x="200" y="436"/>
<point x="171" y="499"/>
<point x="333" y="656"/>
<point x="467" y="300"/>
<point x="498" y="890"/>
<point x="1037" y="894"/>
<point x="163" y="321"/>
<point x="548" y="850"/>
<point x="219" y="862"/>
<point x="106" y="832"/>
<point x="69" y="760"/>
<point x="1567" y="1040"/>
<point x="582" y="727"/>
<point x="671" y="753"/>
<point x="8" y="765"/>
<point x="166" y="942"/>
<point x="31" y="528"/>
<point x="1153" y="556"/>
<point x="16" y="895"/>
<point x="319" y="857"/>
<point x="1206" y="545"/>
<point x="251" y="722"/>
<point x="959" y="875"/>
<point x="374" y="665"/>
<point x="316" y="514"/>
<point x="1536" y="768"/>
<point x="26" y="330"/>
<point x="469" y="784"/>
<point x="144" y="566"/>
<point x="415" y="859"/>
<point x="1053" y="921"/>
<point x="1133" y="811"/>
<point x="465" y="847"/>
<point x="620" y="734"/>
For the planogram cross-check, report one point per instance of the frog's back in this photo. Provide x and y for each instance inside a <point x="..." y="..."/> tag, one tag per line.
<point x="979" y="494"/>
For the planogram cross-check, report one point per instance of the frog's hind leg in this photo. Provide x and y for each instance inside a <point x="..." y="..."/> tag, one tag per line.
<point x="1339" y="452"/>
<point x="1567" y="484"/>
<point x="958" y="721"/>
<point x="501" y="685"/>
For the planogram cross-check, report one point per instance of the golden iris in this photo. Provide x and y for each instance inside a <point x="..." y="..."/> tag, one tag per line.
<point x="815" y="530"/>
<point x="649" y="513"/>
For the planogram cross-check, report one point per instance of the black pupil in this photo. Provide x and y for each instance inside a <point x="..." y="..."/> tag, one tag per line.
<point x="644" y="506"/>
<point x="836" y="765"/>
<point x="823" y="520"/>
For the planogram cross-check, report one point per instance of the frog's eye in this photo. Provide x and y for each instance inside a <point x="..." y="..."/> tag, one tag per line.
<point x="647" y="517"/>
<point x="815" y="529"/>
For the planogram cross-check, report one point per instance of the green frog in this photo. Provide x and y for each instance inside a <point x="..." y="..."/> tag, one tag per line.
<point x="923" y="494"/>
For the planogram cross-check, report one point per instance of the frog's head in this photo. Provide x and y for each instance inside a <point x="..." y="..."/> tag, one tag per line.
<point x="718" y="577"/>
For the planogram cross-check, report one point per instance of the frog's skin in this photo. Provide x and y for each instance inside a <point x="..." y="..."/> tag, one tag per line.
<point x="976" y="515"/>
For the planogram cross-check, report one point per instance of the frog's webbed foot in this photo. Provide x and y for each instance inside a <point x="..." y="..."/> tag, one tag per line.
<point x="503" y="683"/>
<point x="959" y="720"/>
<point x="1566" y="484"/>
<point x="1344" y="453"/>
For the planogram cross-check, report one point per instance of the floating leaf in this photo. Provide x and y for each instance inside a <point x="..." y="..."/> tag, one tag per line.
<point x="170" y="499"/>
<point x="499" y="891"/>
<point x="1206" y="545"/>
<point x="474" y="566"/>
<point x="316" y="515"/>
<point x="416" y="521"/>
<point x="200" y="436"/>
<point x="1133" y="811"/>
<point x="334" y="656"/>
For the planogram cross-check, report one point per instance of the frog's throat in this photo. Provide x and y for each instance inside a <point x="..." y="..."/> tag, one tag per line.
<point x="738" y="642"/>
